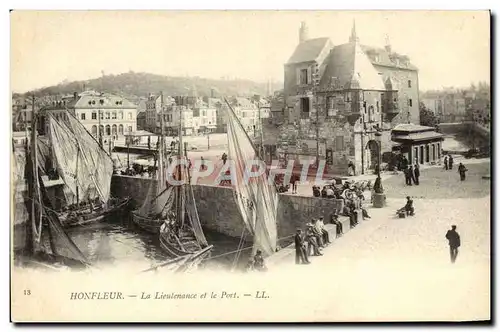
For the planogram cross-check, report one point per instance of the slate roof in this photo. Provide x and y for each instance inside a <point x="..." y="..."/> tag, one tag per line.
<point x="351" y="68"/>
<point x="309" y="50"/>
<point x="419" y="136"/>
<point x="410" y="127"/>
<point x="386" y="58"/>
<point x="108" y="100"/>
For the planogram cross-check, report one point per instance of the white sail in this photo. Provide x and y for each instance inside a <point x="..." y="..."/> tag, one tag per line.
<point x="97" y="162"/>
<point x="65" y="153"/>
<point x="256" y="199"/>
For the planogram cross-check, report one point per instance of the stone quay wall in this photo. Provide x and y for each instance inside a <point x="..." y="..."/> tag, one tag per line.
<point x="218" y="210"/>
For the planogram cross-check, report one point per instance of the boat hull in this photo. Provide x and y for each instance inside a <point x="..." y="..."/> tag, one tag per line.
<point x="96" y="216"/>
<point x="147" y="224"/>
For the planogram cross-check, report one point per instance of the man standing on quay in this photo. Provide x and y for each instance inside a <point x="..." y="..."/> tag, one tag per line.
<point x="454" y="242"/>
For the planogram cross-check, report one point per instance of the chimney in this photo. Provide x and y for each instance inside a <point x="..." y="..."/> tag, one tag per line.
<point x="303" y="32"/>
<point x="75" y="95"/>
<point x="212" y="93"/>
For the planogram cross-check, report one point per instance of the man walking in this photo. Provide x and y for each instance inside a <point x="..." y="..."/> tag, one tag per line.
<point x="454" y="242"/>
<point x="446" y="162"/>
<point x="300" y="249"/>
<point x="461" y="170"/>
<point x="416" y="174"/>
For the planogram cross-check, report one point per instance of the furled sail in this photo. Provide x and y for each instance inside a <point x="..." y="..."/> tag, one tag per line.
<point x="256" y="198"/>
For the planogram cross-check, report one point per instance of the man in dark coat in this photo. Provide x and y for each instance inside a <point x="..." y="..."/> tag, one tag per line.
<point x="409" y="206"/>
<point x="416" y="174"/>
<point x="454" y="242"/>
<point x="300" y="249"/>
<point x="411" y="177"/>
<point x="445" y="162"/>
<point x="461" y="170"/>
<point x="450" y="162"/>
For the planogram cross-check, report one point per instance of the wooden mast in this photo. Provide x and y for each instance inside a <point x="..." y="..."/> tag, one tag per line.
<point x="30" y="158"/>
<point x="161" y="148"/>
<point x="180" y="200"/>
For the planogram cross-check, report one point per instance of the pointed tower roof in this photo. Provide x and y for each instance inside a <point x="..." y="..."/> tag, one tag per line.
<point x="353" y="38"/>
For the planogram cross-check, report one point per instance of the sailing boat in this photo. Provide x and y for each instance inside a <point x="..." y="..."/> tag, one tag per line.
<point x="86" y="170"/>
<point x="170" y="211"/>
<point x="46" y="239"/>
<point x="181" y="235"/>
<point x="257" y="200"/>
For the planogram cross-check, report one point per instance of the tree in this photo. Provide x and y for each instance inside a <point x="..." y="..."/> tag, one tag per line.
<point x="427" y="117"/>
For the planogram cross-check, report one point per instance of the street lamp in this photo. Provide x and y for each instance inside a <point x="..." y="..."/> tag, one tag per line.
<point x="378" y="195"/>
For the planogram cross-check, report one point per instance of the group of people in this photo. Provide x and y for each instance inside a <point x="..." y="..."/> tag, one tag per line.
<point x="311" y="241"/>
<point x="448" y="165"/>
<point x="448" y="162"/>
<point x="412" y="173"/>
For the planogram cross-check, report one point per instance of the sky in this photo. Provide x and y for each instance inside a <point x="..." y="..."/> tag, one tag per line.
<point x="450" y="48"/>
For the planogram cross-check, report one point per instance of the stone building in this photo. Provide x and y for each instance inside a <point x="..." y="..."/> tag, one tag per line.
<point x="247" y="112"/>
<point x="338" y="97"/>
<point x="420" y="144"/>
<point x="153" y="110"/>
<point x="113" y="115"/>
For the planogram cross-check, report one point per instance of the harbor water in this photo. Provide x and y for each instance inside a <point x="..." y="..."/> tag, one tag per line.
<point x="116" y="242"/>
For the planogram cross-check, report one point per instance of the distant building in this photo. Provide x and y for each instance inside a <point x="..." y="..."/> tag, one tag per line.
<point x="448" y="105"/>
<point x="153" y="110"/>
<point x="113" y="115"/>
<point x="141" y="120"/>
<point x="336" y="98"/>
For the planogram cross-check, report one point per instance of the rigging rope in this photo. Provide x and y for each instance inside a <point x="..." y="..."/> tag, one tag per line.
<point x="237" y="256"/>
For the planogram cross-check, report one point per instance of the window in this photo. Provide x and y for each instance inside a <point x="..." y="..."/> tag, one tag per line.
<point x="130" y="128"/>
<point x="348" y="97"/>
<point x="378" y="107"/>
<point x="120" y="129"/>
<point x="94" y="116"/>
<point x="82" y="116"/>
<point x="101" y="130"/>
<point x="409" y="83"/>
<point x="130" y="115"/>
<point x="107" y="116"/>
<point x="108" y="130"/>
<point x="94" y="130"/>
<point x="204" y="113"/>
<point x="410" y="102"/>
<point x="120" y="115"/>
<point x="113" y="130"/>
<point x="304" y="105"/>
<point x="101" y="115"/>
<point x="113" y="115"/>
<point x="303" y="76"/>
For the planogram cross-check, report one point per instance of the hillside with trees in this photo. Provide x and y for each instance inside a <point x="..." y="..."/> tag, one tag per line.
<point x="133" y="85"/>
